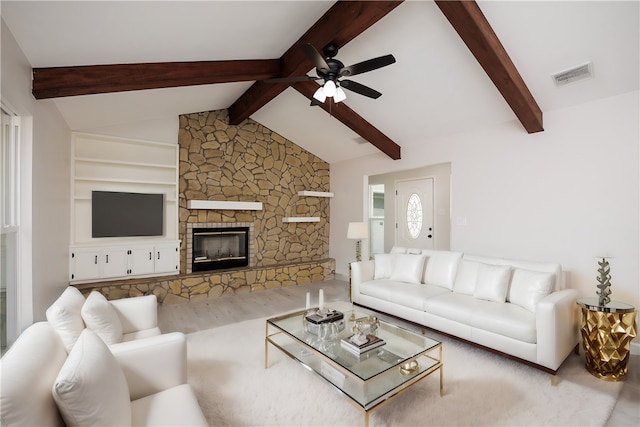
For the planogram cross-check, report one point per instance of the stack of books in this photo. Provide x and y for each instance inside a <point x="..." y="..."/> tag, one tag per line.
<point x="371" y="343"/>
<point x="319" y="317"/>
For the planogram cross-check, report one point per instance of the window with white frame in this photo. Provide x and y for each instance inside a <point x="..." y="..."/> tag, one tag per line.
<point x="9" y="226"/>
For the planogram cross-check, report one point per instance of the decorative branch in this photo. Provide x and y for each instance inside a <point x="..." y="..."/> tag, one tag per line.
<point x="604" y="280"/>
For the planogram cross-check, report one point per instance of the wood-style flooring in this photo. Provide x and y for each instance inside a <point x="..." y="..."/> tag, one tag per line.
<point x="207" y="314"/>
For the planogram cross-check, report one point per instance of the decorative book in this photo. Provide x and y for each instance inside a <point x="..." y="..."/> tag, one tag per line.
<point x="318" y="316"/>
<point x="355" y="346"/>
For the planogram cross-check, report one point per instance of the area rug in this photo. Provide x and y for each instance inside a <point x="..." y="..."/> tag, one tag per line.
<point x="226" y="370"/>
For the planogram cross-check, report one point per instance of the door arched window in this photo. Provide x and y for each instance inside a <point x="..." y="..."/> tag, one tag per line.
<point x="414" y="215"/>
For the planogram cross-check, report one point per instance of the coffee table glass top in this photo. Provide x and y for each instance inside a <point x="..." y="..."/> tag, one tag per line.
<point x="368" y="379"/>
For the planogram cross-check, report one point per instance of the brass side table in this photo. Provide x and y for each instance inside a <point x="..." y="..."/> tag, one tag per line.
<point x="607" y="332"/>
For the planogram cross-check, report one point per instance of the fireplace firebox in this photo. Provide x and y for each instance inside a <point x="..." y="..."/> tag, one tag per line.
<point x="220" y="248"/>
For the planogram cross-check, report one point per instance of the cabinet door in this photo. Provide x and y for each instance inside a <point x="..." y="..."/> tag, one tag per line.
<point x="85" y="264"/>
<point x="167" y="258"/>
<point x="141" y="260"/>
<point x="114" y="262"/>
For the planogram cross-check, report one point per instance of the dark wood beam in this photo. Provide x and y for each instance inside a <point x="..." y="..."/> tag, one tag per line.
<point x="352" y="120"/>
<point x="85" y="80"/>
<point x="476" y="32"/>
<point x="339" y="25"/>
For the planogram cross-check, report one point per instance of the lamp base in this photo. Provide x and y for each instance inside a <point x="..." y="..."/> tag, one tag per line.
<point x="359" y="250"/>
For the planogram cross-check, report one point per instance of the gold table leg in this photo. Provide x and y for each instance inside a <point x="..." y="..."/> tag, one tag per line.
<point x="606" y="338"/>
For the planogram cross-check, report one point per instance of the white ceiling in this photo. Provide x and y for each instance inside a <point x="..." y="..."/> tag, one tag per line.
<point x="436" y="86"/>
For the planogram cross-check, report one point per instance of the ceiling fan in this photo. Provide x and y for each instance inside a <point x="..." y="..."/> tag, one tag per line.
<point x="331" y="71"/>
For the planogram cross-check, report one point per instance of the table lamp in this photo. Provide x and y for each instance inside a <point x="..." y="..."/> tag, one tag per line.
<point x="358" y="231"/>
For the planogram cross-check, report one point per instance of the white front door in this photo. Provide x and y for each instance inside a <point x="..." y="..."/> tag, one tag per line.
<point x="414" y="213"/>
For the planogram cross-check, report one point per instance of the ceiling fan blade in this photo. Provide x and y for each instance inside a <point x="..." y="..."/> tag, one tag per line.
<point x="292" y="79"/>
<point x="369" y="65"/>
<point x="360" y="88"/>
<point x="318" y="60"/>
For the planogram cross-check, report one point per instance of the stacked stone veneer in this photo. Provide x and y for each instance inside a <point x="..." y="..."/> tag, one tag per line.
<point x="248" y="162"/>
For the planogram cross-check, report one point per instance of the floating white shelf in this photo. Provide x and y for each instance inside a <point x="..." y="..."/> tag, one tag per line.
<point x="224" y="205"/>
<point x="301" y="219"/>
<point x="315" y="193"/>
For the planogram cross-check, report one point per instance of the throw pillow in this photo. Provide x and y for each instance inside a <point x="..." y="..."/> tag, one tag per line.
<point x="383" y="265"/>
<point x="100" y="316"/>
<point x="466" y="277"/>
<point x="91" y="388"/>
<point x="398" y="250"/>
<point x="528" y="287"/>
<point x="493" y="282"/>
<point x="408" y="268"/>
<point x="65" y="318"/>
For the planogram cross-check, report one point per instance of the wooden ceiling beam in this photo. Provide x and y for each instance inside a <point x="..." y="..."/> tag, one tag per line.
<point x="344" y="21"/>
<point x="352" y="120"/>
<point x="57" y="82"/>
<point x="476" y="32"/>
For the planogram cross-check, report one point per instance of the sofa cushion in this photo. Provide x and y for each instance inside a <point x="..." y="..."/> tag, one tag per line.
<point x="413" y="295"/>
<point x="508" y="320"/>
<point x="452" y="306"/>
<point x="466" y="277"/>
<point x="377" y="288"/>
<point x="27" y="370"/>
<point x="176" y="406"/>
<point x="102" y="318"/>
<point x="65" y="318"/>
<point x="441" y="268"/>
<point x="408" y="268"/>
<point x="528" y="287"/>
<point x="493" y="282"/>
<point x="91" y="388"/>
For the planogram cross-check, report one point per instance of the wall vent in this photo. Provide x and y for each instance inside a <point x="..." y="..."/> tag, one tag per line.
<point x="573" y="75"/>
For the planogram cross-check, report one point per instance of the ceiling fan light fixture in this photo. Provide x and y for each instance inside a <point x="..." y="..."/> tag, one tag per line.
<point x="340" y="95"/>
<point x="320" y="96"/>
<point x="330" y="88"/>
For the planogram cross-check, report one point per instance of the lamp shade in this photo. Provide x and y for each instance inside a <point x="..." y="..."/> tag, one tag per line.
<point x="340" y="95"/>
<point x="357" y="230"/>
<point x="329" y="88"/>
<point x="319" y="95"/>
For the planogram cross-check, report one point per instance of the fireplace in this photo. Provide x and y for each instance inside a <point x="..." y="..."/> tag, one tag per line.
<point x="220" y="248"/>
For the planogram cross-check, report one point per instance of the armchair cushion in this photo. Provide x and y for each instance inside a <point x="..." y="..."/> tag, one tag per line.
<point x="91" y="388"/>
<point x="176" y="406"/>
<point x="65" y="317"/>
<point x="100" y="316"/>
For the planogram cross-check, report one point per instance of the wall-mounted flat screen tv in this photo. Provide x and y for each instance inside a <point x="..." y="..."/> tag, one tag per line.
<point x="116" y="214"/>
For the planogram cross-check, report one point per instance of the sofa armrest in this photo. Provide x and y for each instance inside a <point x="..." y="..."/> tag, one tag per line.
<point x="153" y="364"/>
<point x="137" y="313"/>
<point x="361" y="271"/>
<point x="557" y="318"/>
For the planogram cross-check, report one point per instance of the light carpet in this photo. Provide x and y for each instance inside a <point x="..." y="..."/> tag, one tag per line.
<point x="226" y="370"/>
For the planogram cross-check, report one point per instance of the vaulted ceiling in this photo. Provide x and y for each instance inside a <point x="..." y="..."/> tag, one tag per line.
<point x="459" y="64"/>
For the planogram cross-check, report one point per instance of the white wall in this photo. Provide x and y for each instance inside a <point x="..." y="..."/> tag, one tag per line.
<point x="568" y="194"/>
<point x="45" y="150"/>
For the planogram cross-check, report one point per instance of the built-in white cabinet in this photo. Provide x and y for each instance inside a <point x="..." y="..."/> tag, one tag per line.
<point x="94" y="263"/>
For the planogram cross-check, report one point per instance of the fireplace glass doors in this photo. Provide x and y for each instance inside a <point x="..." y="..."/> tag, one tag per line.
<point x="220" y="248"/>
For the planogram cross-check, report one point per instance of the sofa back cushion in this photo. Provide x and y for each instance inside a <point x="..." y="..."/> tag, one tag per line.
<point x="28" y="370"/>
<point x="528" y="287"/>
<point x="383" y="265"/>
<point x="65" y="318"/>
<point x="408" y="268"/>
<point x="91" y="389"/>
<point x="441" y="268"/>
<point x="466" y="277"/>
<point x="100" y="316"/>
<point x="493" y="282"/>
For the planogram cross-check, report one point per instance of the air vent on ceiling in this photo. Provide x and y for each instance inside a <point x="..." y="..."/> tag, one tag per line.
<point x="575" y="74"/>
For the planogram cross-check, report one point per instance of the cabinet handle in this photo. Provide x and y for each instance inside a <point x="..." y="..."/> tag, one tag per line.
<point x="150" y="256"/>
<point x="96" y="260"/>
<point x="107" y="258"/>
<point x="158" y="255"/>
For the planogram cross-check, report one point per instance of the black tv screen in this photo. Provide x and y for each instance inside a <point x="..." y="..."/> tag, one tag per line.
<point x="116" y="214"/>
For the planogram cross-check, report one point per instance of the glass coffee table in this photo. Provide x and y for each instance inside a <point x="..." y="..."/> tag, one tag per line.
<point x="367" y="380"/>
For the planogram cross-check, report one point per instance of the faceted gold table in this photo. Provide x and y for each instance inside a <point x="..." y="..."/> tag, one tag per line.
<point x="607" y="332"/>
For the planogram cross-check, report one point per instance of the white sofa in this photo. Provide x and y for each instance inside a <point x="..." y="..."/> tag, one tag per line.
<point x="141" y="380"/>
<point x="516" y="308"/>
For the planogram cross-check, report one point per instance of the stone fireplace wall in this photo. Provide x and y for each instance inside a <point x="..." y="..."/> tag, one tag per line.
<point x="249" y="162"/>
